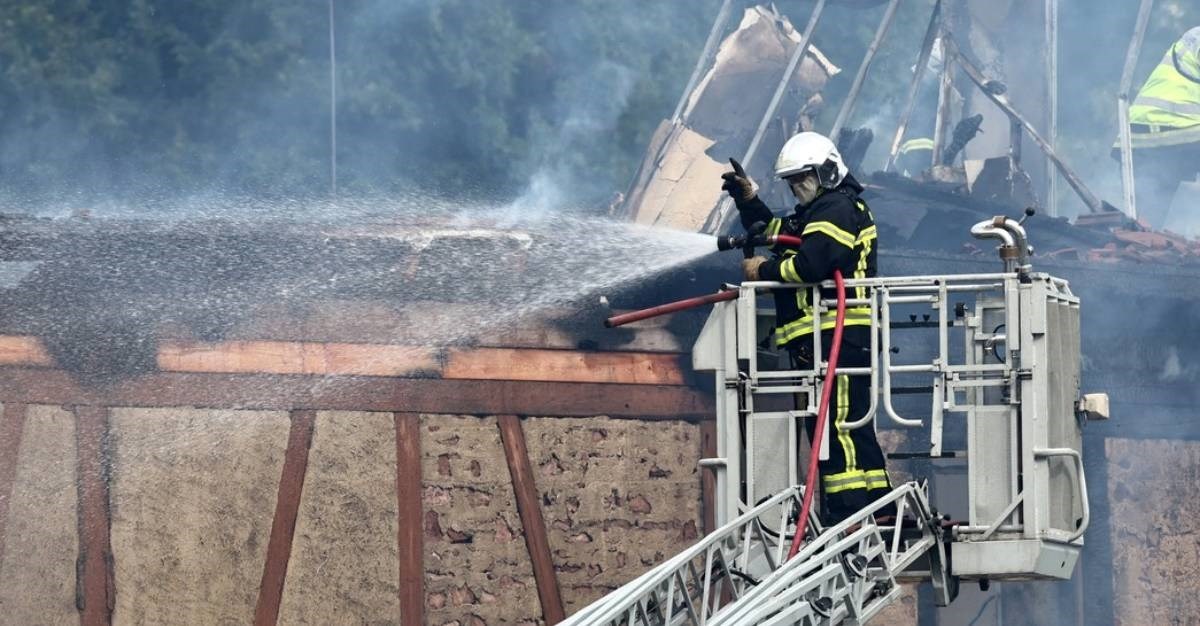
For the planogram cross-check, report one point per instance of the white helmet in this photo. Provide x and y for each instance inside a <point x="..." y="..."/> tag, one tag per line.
<point x="810" y="151"/>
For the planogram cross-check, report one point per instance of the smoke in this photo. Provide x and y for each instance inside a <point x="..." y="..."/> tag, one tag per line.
<point x="1089" y="78"/>
<point x="546" y="103"/>
<point x="589" y="106"/>
<point x="1138" y="320"/>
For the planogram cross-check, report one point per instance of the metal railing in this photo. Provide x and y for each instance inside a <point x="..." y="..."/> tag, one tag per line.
<point x="977" y="359"/>
<point x="738" y="575"/>
<point x="883" y="295"/>
<point x="850" y="571"/>
<point x="714" y="573"/>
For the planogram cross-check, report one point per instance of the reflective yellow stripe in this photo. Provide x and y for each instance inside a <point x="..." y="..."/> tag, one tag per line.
<point x="849" y="454"/>
<point x="861" y="484"/>
<point x="842" y="478"/>
<point x="1179" y="108"/>
<point x="876" y="479"/>
<point x="827" y="228"/>
<point x="857" y="316"/>
<point x="1163" y="136"/>
<point x="787" y="269"/>
<point x="844" y="481"/>
<point x="920" y="143"/>
<point x="773" y="228"/>
<point x="855" y="479"/>
<point x="860" y="271"/>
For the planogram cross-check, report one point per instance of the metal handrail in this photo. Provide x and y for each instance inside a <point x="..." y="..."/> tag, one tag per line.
<point x="1081" y="482"/>
<point x="886" y="321"/>
<point x="933" y="290"/>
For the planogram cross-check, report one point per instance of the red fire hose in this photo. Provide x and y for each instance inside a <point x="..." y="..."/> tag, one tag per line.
<point x="670" y="307"/>
<point x="725" y="243"/>
<point x="822" y="416"/>
<point x="787" y="240"/>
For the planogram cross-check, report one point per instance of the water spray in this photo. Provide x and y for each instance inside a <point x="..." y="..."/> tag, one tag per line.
<point x="747" y="243"/>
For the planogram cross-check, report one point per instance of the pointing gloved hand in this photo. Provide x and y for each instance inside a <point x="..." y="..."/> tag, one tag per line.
<point x="739" y="184"/>
<point x="750" y="267"/>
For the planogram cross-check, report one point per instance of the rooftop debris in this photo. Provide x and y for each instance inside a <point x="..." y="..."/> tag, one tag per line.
<point x="674" y="184"/>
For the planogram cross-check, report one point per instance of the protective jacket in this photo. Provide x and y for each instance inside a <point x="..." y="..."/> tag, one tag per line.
<point x="1167" y="109"/>
<point x="915" y="156"/>
<point x="839" y="233"/>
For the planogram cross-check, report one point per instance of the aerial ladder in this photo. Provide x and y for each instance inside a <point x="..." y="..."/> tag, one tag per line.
<point x="1000" y="364"/>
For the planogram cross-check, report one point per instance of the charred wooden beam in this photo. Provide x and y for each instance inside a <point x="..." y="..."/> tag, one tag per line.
<point x="410" y="540"/>
<point x="95" y="593"/>
<point x="283" y="526"/>
<point x="356" y="359"/>
<point x="532" y="523"/>
<point x="292" y="392"/>
<point x="708" y="478"/>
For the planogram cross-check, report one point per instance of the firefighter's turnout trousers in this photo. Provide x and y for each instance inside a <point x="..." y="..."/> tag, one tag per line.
<point x="855" y="474"/>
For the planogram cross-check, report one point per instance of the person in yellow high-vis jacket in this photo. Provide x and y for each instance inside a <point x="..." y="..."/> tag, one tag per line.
<point x="1164" y="123"/>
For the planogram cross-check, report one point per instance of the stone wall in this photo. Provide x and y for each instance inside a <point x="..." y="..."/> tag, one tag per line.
<point x="477" y="568"/>
<point x="192" y="501"/>
<point x="619" y="496"/>
<point x="1154" y="502"/>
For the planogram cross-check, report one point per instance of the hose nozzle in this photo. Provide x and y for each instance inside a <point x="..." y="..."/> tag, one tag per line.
<point x="731" y="242"/>
<point x="755" y="238"/>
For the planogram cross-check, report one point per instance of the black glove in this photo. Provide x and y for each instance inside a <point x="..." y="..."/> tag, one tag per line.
<point x="739" y="185"/>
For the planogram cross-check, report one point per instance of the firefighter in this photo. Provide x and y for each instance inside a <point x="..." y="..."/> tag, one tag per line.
<point x="1164" y="123"/>
<point x="839" y="234"/>
<point x="915" y="156"/>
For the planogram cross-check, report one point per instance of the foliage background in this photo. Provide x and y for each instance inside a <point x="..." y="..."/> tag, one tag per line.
<point x="137" y="99"/>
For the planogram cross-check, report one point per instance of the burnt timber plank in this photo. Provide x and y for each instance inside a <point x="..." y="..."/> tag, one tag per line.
<point x="708" y="478"/>
<point x="528" y="506"/>
<point x="563" y="366"/>
<point x="95" y="593"/>
<point x="292" y="392"/>
<point x="386" y="360"/>
<point x="23" y="350"/>
<point x="283" y="526"/>
<point x="277" y="357"/>
<point x="410" y="537"/>
<point x="287" y="357"/>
